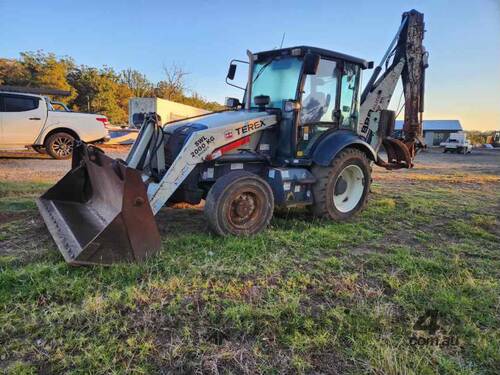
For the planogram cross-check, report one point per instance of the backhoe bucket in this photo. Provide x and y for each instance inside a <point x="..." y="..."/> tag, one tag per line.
<point x="99" y="212"/>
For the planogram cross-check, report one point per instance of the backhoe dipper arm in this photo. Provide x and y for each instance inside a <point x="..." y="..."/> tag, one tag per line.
<point x="409" y="61"/>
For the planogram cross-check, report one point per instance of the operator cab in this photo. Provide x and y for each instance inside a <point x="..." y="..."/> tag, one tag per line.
<point x="315" y="90"/>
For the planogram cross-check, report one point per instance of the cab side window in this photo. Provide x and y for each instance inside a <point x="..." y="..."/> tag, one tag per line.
<point x="318" y="112"/>
<point x="319" y="95"/>
<point x="349" y="111"/>
<point x="17" y="103"/>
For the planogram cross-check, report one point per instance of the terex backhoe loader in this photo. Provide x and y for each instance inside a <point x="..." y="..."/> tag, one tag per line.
<point x="300" y="137"/>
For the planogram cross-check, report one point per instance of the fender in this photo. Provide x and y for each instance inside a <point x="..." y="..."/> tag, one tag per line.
<point x="332" y="143"/>
<point x="55" y="128"/>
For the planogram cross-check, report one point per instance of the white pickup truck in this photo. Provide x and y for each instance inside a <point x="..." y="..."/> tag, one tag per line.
<point x="457" y="142"/>
<point x="30" y="121"/>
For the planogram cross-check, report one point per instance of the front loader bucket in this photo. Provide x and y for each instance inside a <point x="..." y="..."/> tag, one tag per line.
<point x="99" y="212"/>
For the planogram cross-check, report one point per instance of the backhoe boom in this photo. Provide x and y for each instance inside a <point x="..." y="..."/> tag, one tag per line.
<point x="405" y="58"/>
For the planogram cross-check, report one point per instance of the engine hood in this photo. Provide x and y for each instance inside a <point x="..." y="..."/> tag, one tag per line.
<point x="218" y="120"/>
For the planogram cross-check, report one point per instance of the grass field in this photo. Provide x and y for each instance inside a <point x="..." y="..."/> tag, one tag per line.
<point x="306" y="296"/>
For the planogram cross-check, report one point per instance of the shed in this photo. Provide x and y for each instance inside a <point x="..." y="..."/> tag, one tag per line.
<point x="435" y="131"/>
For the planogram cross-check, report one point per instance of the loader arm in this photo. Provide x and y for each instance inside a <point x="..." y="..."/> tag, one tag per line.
<point x="199" y="146"/>
<point x="409" y="61"/>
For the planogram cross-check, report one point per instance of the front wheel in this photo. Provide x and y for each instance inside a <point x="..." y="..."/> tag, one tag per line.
<point x="239" y="203"/>
<point x="60" y="145"/>
<point x="341" y="190"/>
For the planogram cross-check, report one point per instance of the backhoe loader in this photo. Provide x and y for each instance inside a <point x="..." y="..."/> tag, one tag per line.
<point x="302" y="135"/>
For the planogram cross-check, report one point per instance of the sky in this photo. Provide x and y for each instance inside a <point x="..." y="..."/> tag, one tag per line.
<point x="463" y="40"/>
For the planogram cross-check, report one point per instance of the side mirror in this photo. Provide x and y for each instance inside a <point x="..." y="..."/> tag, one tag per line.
<point x="231" y="72"/>
<point x="311" y="63"/>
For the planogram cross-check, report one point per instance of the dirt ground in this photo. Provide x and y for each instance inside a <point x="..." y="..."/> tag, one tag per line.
<point x="30" y="166"/>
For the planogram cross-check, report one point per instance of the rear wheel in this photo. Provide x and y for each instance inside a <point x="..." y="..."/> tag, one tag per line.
<point x="239" y="203"/>
<point x="342" y="189"/>
<point x="60" y="145"/>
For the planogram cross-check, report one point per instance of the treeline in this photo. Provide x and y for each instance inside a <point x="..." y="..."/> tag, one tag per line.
<point x="478" y="137"/>
<point x="97" y="90"/>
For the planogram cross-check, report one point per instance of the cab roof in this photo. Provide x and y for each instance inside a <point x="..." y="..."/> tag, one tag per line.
<point x="302" y="50"/>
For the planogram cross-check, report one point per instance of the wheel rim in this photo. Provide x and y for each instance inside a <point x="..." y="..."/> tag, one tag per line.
<point x="349" y="188"/>
<point x="244" y="209"/>
<point x="62" y="146"/>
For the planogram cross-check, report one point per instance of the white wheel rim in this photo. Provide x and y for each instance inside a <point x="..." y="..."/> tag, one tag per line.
<point x="348" y="188"/>
<point x="62" y="146"/>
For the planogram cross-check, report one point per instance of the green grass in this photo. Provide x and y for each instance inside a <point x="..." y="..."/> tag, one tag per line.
<point x="306" y="296"/>
<point x="19" y="196"/>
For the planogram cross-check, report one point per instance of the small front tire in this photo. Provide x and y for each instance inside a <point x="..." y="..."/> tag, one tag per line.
<point x="239" y="203"/>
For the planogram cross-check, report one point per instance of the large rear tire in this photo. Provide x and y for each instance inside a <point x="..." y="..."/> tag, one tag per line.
<point x="60" y="145"/>
<point x="239" y="203"/>
<point x="341" y="190"/>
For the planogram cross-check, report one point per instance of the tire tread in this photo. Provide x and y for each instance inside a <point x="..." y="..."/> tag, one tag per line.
<point x="324" y="174"/>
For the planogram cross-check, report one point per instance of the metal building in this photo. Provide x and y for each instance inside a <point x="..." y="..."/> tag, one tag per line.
<point x="435" y="131"/>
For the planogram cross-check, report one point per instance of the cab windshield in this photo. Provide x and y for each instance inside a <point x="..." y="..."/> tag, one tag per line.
<point x="277" y="78"/>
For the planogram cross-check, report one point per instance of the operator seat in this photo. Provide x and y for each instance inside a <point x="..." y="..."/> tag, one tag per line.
<point x="315" y="105"/>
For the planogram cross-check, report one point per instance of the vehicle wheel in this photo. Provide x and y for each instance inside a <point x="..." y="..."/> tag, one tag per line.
<point x="341" y="190"/>
<point x="239" y="203"/>
<point x="444" y="151"/>
<point x="39" y="149"/>
<point x="60" y="145"/>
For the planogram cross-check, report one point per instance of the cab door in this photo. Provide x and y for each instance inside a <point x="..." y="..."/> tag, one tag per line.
<point x="22" y="118"/>
<point x="349" y="103"/>
<point x="319" y="106"/>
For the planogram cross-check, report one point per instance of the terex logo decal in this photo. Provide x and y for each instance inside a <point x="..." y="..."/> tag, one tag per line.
<point x="250" y="126"/>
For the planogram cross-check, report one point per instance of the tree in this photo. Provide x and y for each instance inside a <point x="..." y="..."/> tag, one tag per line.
<point x="97" y="90"/>
<point x="173" y="87"/>
<point x="477" y="137"/>
<point x="136" y="82"/>
<point x="100" y="90"/>
<point x="198" y="101"/>
<point x="13" y="73"/>
<point x="46" y="70"/>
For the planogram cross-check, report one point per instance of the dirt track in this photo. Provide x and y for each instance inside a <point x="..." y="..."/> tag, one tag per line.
<point x="30" y="166"/>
